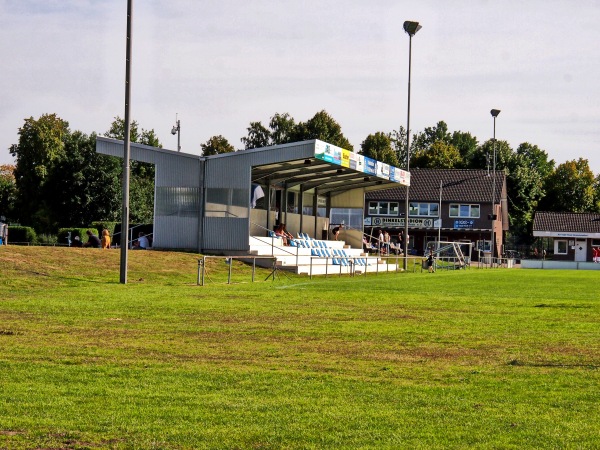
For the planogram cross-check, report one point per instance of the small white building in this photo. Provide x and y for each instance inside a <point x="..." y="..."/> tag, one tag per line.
<point x="574" y="235"/>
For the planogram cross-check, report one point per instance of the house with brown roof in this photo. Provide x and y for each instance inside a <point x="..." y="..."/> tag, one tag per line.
<point x="575" y="235"/>
<point x="455" y="204"/>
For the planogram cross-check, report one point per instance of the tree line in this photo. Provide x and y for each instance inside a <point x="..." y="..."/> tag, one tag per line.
<point x="59" y="180"/>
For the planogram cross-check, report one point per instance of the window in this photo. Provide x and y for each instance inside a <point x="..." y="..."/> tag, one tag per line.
<point x="351" y="217"/>
<point x="423" y="209"/>
<point x="177" y="201"/>
<point x="383" y="208"/>
<point x="321" y="206"/>
<point x="560" y="247"/>
<point x="460" y="210"/>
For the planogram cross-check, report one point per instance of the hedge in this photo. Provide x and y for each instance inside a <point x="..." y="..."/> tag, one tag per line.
<point x="19" y="234"/>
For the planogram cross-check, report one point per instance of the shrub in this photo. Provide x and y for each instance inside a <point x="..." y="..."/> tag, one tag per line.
<point x="47" y="239"/>
<point x="19" y="234"/>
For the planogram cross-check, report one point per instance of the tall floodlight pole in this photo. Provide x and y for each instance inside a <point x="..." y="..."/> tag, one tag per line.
<point x="177" y="130"/>
<point x="494" y="113"/>
<point x="440" y="216"/>
<point x="127" y="150"/>
<point x="411" y="29"/>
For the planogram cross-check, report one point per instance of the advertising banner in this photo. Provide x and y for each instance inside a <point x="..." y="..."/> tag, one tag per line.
<point x="346" y="157"/>
<point x="370" y="166"/>
<point x="383" y="170"/>
<point x="328" y="152"/>
<point x="399" y="222"/>
<point x="464" y="223"/>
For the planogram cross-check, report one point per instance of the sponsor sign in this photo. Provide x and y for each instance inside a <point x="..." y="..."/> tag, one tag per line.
<point x="399" y="176"/>
<point x="383" y="170"/>
<point x="399" y="222"/>
<point x="370" y="166"/>
<point x="324" y="151"/>
<point x="356" y="162"/>
<point x="346" y="157"/>
<point x="464" y="223"/>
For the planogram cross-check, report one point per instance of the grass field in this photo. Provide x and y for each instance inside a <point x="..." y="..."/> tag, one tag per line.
<point x="503" y="358"/>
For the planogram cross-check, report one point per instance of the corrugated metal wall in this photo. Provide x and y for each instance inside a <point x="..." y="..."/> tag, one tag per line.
<point x="177" y="192"/>
<point x="234" y="171"/>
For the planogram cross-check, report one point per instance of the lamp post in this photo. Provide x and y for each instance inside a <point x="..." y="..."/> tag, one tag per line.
<point x="126" y="148"/>
<point x="440" y="215"/>
<point x="411" y="29"/>
<point x="494" y="113"/>
<point x="176" y="130"/>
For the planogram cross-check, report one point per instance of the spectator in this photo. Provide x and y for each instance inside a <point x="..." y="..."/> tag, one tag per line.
<point x="76" y="242"/>
<point x="93" y="240"/>
<point x="387" y="241"/>
<point x="286" y="233"/>
<point x="280" y="232"/>
<point x="336" y="231"/>
<point x="105" y="238"/>
<point x="142" y="242"/>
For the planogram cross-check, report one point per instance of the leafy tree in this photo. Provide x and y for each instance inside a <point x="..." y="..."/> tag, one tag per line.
<point x="282" y="128"/>
<point x="440" y="155"/>
<point x="85" y="185"/>
<point x="430" y="135"/>
<point x="466" y="144"/>
<point x="322" y="126"/>
<point x="8" y="190"/>
<point x="483" y="157"/>
<point x="41" y="143"/>
<point x="216" y="145"/>
<point x="379" y="146"/>
<point x="527" y="172"/>
<point x="258" y="136"/>
<point x="398" y="139"/>
<point x="570" y="188"/>
<point x="536" y="159"/>
<point x="597" y="193"/>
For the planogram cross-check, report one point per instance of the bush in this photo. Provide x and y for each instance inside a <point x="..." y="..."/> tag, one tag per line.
<point x="47" y="239"/>
<point x="19" y="234"/>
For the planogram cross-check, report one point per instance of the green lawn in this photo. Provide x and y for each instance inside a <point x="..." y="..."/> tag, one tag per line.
<point x="503" y="358"/>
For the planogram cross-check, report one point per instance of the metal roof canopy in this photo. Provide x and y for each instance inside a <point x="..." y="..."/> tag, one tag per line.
<point x="314" y="173"/>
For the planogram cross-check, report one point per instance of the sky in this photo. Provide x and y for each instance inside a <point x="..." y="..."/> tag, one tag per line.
<point x="220" y="64"/>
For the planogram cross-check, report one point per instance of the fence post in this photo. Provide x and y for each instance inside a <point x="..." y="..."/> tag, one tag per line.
<point x="229" y="274"/>
<point x="253" y="268"/>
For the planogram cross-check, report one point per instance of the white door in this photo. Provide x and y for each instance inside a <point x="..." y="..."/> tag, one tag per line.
<point x="580" y="250"/>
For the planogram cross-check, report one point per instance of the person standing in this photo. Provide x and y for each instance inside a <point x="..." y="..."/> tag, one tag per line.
<point x="387" y="240"/>
<point x="430" y="261"/>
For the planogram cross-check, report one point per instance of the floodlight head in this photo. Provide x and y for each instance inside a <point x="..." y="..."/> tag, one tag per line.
<point x="174" y="130"/>
<point x="495" y="112"/>
<point x="411" y="27"/>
